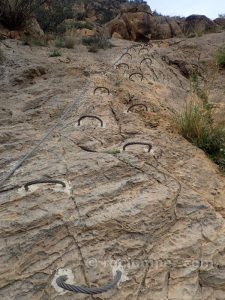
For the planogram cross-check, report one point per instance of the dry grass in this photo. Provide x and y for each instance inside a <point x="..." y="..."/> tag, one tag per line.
<point x="70" y="42"/>
<point x="197" y="125"/>
<point x="220" y="58"/>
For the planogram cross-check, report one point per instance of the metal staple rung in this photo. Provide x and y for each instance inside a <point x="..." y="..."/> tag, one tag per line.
<point x="138" y="143"/>
<point x="89" y="117"/>
<point x="138" y="104"/>
<point x="43" y="181"/>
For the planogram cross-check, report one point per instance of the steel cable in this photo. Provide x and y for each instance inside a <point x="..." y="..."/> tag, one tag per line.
<point x="84" y="290"/>
<point x="50" y="131"/>
<point x="29" y="153"/>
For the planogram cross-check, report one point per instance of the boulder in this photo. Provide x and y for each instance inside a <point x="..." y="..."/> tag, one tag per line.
<point x="164" y="28"/>
<point x="133" y="8"/>
<point x="159" y="28"/>
<point x="34" y="29"/>
<point x="119" y="27"/>
<point x="175" y="27"/>
<point x="138" y="25"/>
<point x="137" y="22"/>
<point x="220" y="21"/>
<point x="116" y="35"/>
<point x="199" y="24"/>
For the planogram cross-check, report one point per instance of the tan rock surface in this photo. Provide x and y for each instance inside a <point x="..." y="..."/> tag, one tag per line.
<point x="158" y="216"/>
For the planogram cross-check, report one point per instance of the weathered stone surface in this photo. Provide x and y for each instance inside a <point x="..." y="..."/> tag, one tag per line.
<point x="118" y="26"/>
<point x="220" y="21"/>
<point x="199" y="24"/>
<point x="158" y="216"/>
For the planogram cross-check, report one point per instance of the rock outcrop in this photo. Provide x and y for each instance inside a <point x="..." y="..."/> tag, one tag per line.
<point x="199" y="24"/>
<point x="118" y="18"/>
<point x="133" y="22"/>
<point x="157" y="216"/>
<point x="220" y="22"/>
<point x="137" y="22"/>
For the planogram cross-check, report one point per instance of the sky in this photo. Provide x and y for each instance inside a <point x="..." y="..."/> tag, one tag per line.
<point x="210" y="8"/>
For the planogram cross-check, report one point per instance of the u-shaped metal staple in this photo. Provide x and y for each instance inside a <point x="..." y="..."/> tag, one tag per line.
<point x="136" y="73"/>
<point x="138" y="104"/>
<point x="126" y="54"/>
<point x="102" y="88"/>
<point x="146" y="58"/>
<point x="43" y="181"/>
<point x="144" y="48"/>
<point x="138" y="143"/>
<point x="133" y="48"/>
<point x="91" y="117"/>
<point x="122" y="64"/>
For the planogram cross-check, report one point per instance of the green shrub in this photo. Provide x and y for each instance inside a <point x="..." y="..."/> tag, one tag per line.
<point x="196" y="124"/>
<point x="80" y="25"/>
<point x="107" y="15"/>
<point x="220" y="57"/>
<point x="53" y="14"/>
<point x="38" y="42"/>
<point x="68" y="42"/>
<point x="15" y="14"/>
<point x="62" y="28"/>
<point x="194" y="34"/>
<point x="198" y="88"/>
<point x="80" y="16"/>
<point x="94" y="43"/>
<point x="55" y="53"/>
<point x="59" y="42"/>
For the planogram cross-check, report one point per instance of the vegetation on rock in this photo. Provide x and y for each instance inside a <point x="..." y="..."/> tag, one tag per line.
<point x="94" y="43"/>
<point x="220" y="57"/>
<point x="196" y="124"/>
<point x="15" y="14"/>
<point x="55" y="53"/>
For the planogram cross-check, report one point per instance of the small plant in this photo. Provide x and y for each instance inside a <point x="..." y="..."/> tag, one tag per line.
<point x="62" y="28"/>
<point x="191" y="35"/>
<point x="197" y="125"/>
<point x="69" y="42"/>
<point x="59" y="42"/>
<point x="199" y="87"/>
<point x="55" y="53"/>
<point x="93" y="49"/>
<point x="38" y="42"/>
<point x="94" y="43"/>
<point x="220" y="57"/>
<point x="194" y="34"/>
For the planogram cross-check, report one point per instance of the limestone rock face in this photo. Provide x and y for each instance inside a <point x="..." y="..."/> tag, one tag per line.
<point x="34" y="29"/>
<point x="158" y="215"/>
<point x="137" y="25"/>
<point x="199" y="24"/>
<point x="132" y="23"/>
<point x="118" y="26"/>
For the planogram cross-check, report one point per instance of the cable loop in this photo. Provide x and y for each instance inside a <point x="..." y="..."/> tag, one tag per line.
<point x="84" y="290"/>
